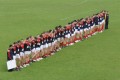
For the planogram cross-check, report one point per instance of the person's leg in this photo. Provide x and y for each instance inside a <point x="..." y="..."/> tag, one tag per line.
<point x="18" y="61"/>
<point x="22" y="59"/>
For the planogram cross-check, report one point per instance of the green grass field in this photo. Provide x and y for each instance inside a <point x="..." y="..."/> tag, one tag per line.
<point x="97" y="58"/>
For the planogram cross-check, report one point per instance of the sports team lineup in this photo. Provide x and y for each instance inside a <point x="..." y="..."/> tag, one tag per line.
<point x="23" y="53"/>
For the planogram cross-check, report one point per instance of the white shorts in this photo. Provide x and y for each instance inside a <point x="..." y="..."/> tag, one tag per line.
<point x="49" y="44"/>
<point x="98" y="23"/>
<point x="46" y="45"/>
<point x="22" y="54"/>
<point x="68" y="36"/>
<point x="27" y="52"/>
<point x="76" y="31"/>
<point x="92" y="27"/>
<point x="52" y="43"/>
<point x="81" y="31"/>
<point x="88" y="29"/>
<point x="14" y="57"/>
<point x="85" y="29"/>
<point x="58" y="39"/>
<point x="55" y="41"/>
<point x="38" y="49"/>
<point x="41" y="48"/>
<point x="34" y="50"/>
<point x="102" y="22"/>
<point x="73" y="34"/>
<point x="17" y="56"/>
<point x="62" y="38"/>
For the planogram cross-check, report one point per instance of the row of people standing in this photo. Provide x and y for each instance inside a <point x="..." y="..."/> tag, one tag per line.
<point x="32" y="49"/>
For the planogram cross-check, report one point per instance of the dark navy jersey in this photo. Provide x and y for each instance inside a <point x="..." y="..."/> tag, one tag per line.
<point x="81" y="27"/>
<point x="101" y="19"/>
<point x="85" y="25"/>
<point x="62" y="34"/>
<point x="96" y="20"/>
<point x="27" y="47"/>
<point x="9" y="54"/>
<point x="65" y="32"/>
<point x="53" y="38"/>
<point x="32" y="45"/>
<point x="49" y="39"/>
<point x="44" y="41"/>
<point x="17" y="49"/>
<point x="56" y="35"/>
<point x="72" y="30"/>
<point x="78" y="28"/>
<point x="14" y="50"/>
<point x="35" y="44"/>
<point x="38" y="44"/>
<point x="91" y="24"/>
<point x="20" y="49"/>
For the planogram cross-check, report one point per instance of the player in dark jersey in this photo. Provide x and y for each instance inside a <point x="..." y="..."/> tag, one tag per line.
<point x="33" y="49"/>
<point x="68" y="34"/>
<point x="107" y="20"/>
<point x="50" y="43"/>
<point x="89" y="26"/>
<point x="27" y="50"/>
<point x="56" y="45"/>
<point x="54" y="37"/>
<point x="96" y="21"/>
<point x="65" y="37"/>
<point x="62" y="36"/>
<point x="18" y="58"/>
<point x="58" y="37"/>
<point x="81" y="29"/>
<point x="103" y="21"/>
<point x="10" y="56"/>
<point x="53" y="42"/>
<point x="10" y="53"/>
<point x="22" y="54"/>
<point x="44" y="36"/>
<point x="38" y="45"/>
<point x="72" y="34"/>
<point x="85" y="29"/>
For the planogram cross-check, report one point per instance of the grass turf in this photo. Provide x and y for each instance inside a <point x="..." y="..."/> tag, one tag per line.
<point x="97" y="58"/>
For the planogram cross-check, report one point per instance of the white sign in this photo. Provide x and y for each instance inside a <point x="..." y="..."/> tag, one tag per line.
<point x="11" y="64"/>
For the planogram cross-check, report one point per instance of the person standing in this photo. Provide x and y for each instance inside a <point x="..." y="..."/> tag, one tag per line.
<point x="106" y="20"/>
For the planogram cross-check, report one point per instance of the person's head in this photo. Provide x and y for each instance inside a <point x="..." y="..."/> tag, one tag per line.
<point x="10" y="46"/>
<point x="56" y="27"/>
<point x="81" y="19"/>
<point x="59" y="26"/>
<point x="49" y="31"/>
<point x="27" y="38"/>
<point x="69" y="23"/>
